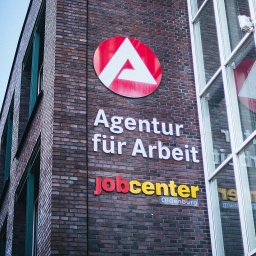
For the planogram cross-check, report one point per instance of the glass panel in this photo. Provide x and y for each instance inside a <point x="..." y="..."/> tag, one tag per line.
<point x="196" y="6"/>
<point x="229" y="214"/>
<point x="218" y="121"/>
<point x="199" y="3"/>
<point x="245" y="76"/>
<point x="209" y="41"/>
<point x="247" y="161"/>
<point x="233" y="9"/>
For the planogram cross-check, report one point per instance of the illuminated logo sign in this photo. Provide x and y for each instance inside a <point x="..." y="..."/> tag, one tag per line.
<point x="127" y="67"/>
<point x="245" y="74"/>
<point x="148" y="188"/>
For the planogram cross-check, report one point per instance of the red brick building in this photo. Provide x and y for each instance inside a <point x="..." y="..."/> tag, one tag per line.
<point x="87" y="171"/>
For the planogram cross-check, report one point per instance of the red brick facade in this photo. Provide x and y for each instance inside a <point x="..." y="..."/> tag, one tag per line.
<point x="72" y="220"/>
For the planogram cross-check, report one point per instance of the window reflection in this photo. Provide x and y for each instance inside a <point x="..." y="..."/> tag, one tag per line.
<point x="199" y="3"/>
<point x="245" y="73"/>
<point x="218" y="120"/>
<point x="233" y="9"/>
<point x="229" y="212"/>
<point x="209" y="41"/>
<point x="247" y="161"/>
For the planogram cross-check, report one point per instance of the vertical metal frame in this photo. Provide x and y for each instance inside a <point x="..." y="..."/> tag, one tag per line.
<point x="204" y="120"/>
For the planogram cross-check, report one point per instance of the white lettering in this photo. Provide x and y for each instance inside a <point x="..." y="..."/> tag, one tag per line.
<point x="146" y="122"/>
<point x="101" y="118"/>
<point x="177" y="154"/>
<point x="120" y="145"/>
<point x="178" y="128"/>
<point x="164" y="149"/>
<point x="194" y="153"/>
<point x="95" y="141"/>
<point x="115" y="121"/>
<point x="139" y="148"/>
<point x="130" y="124"/>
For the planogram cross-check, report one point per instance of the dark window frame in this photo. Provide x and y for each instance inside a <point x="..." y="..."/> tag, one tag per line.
<point x="33" y="60"/>
<point x="6" y="145"/>
<point x="28" y="192"/>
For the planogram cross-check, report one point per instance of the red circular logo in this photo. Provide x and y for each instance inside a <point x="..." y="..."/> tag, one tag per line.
<point x="127" y="67"/>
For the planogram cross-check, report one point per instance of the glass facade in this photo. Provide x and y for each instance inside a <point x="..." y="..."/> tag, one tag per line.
<point x="206" y="23"/>
<point x="223" y="44"/>
<point x="234" y="8"/>
<point x="229" y="214"/>
<point x="214" y="102"/>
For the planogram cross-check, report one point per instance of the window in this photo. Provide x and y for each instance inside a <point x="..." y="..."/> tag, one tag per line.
<point x="214" y="106"/>
<point x="32" y="74"/>
<point x="225" y="73"/>
<point x="247" y="162"/>
<point x="233" y="9"/>
<point x="26" y="208"/>
<point x="244" y="68"/>
<point x="224" y="181"/>
<point x="207" y="26"/>
<point x="6" y="147"/>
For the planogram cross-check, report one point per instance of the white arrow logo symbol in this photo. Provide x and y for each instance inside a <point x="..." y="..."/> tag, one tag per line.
<point x="126" y="52"/>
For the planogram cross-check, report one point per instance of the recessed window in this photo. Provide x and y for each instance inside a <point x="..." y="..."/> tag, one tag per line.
<point x="6" y="147"/>
<point x="32" y="74"/>
<point x="26" y="208"/>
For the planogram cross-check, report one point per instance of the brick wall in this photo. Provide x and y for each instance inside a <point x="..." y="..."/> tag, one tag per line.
<point x="127" y="224"/>
<point x="69" y="173"/>
<point x="122" y="224"/>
